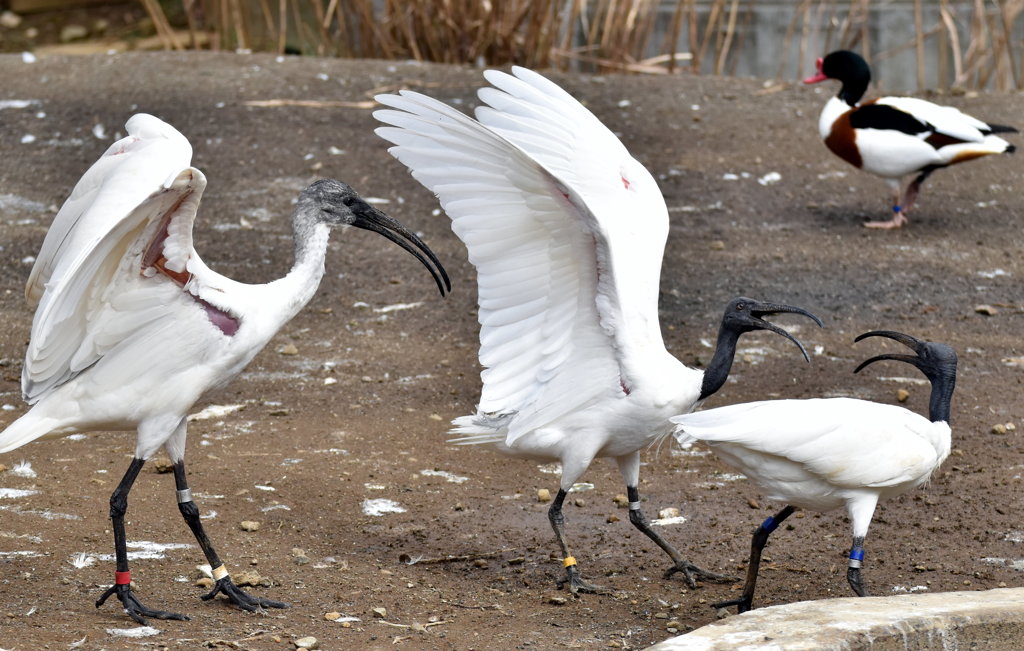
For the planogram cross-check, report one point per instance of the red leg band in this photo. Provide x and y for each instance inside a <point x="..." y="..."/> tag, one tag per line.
<point x="122" y="578"/>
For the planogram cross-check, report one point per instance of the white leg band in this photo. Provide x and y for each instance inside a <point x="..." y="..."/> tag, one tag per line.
<point x="219" y="572"/>
<point x="184" y="496"/>
<point x="855" y="564"/>
<point x="634" y="506"/>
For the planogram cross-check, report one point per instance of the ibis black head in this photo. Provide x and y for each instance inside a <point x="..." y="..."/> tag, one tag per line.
<point x="746" y="315"/>
<point x="936" y="360"/>
<point x="337" y="204"/>
<point x="848" y="67"/>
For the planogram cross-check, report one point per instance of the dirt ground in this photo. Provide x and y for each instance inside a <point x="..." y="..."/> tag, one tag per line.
<point x="350" y="402"/>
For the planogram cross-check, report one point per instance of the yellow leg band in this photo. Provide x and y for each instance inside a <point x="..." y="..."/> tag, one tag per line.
<point x="569" y="561"/>
<point x="219" y="572"/>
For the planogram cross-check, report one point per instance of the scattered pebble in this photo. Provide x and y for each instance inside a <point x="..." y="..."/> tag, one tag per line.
<point x="620" y="500"/>
<point x="10" y="20"/>
<point x="308" y="642"/>
<point x="249" y="525"/>
<point x="717" y="245"/>
<point x="380" y="612"/>
<point x="28" y="57"/>
<point x="670" y="512"/>
<point x="902" y="395"/>
<point x="251" y="578"/>
<point x="1001" y="429"/>
<point x="556" y="600"/>
<point x="288" y="349"/>
<point x="770" y="178"/>
<point x="543" y="495"/>
<point x="73" y="32"/>
<point x="986" y="310"/>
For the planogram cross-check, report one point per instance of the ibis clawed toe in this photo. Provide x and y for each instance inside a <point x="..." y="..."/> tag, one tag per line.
<point x="825" y="453"/>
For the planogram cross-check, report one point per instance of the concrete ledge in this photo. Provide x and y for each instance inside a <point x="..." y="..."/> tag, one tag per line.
<point x="992" y="620"/>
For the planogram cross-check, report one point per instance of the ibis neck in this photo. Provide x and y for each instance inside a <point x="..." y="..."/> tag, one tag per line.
<point x="717" y="371"/>
<point x="310" y="252"/>
<point x="942" y="395"/>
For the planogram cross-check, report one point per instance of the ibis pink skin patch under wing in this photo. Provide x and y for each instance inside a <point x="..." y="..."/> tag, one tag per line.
<point x="218" y="317"/>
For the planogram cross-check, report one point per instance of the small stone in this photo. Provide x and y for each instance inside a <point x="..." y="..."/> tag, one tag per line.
<point x="986" y="310"/>
<point x="611" y="518"/>
<point x="332" y="616"/>
<point x="249" y="525"/>
<point x="902" y="395"/>
<point x="670" y="512"/>
<point x="579" y="501"/>
<point x="10" y="20"/>
<point x="70" y="33"/>
<point x="752" y="503"/>
<point x="717" y="245"/>
<point x="543" y="495"/>
<point x="621" y="500"/>
<point x="435" y="417"/>
<point x="204" y="582"/>
<point x="480" y="563"/>
<point x="675" y="623"/>
<point x="309" y="642"/>
<point x="998" y="429"/>
<point x="380" y="612"/>
<point x="556" y="600"/>
<point x="163" y="466"/>
<point x="288" y="349"/>
<point x="251" y="578"/>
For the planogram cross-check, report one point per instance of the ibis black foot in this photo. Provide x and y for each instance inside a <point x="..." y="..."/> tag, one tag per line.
<point x="692" y="573"/>
<point x="743" y="604"/>
<point x="241" y="598"/>
<point x="577" y="585"/>
<point x="133" y="607"/>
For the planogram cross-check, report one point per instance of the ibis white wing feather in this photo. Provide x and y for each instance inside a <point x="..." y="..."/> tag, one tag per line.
<point x="847" y="442"/>
<point x="138" y="199"/>
<point x="535" y="245"/>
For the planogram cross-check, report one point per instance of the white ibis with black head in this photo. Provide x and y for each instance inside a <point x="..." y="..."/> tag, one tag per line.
<point x="826" y="453"/>
<point x="567" y="232"/>
<point x="132" y="328"/>
<point x="892" y="137"/>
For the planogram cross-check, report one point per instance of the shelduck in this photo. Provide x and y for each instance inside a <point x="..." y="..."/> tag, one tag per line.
<point x="895" y="136"/>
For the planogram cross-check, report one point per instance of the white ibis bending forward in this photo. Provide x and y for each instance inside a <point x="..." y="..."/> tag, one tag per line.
<point x="895" y="136"/>
<point x="132" y="328"/>
<point x="567" y="232"/>
<point x="825" y="453"/>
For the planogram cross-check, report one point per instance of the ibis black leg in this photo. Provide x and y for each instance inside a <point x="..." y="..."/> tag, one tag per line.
<point x="222" y="581"/>
<point x="853" y="571"/>
<point x="572" y="572"/>
<point x="680" y="564"/>
<point x="122" y="576"/>
<point x="760" y="539"/>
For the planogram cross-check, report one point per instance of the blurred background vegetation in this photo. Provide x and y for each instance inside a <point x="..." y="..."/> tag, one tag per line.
<point x="912" y="44"/>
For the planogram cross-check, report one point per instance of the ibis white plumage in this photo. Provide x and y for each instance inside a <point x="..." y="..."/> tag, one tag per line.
<point x="566" y="231"/>
<point x="826" y="453"/>
<point x="892" y="137"/>
<point x="131" y="327"/>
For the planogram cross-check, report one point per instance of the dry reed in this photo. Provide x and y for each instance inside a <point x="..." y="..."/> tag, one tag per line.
<point x="973" y="42"/>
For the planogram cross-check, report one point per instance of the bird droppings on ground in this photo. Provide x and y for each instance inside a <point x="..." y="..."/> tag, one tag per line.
<point x="381" y="506"/>
<point x="146" y="550"/>
<point x="15" y="493"/>
<point x="132" y="633"/>
<point x="449" y="477"/>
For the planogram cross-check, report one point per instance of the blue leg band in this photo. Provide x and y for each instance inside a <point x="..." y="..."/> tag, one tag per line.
<point x="856" y="556"/>
<point x="897" y="209"/>
<point x="770" y="525"/>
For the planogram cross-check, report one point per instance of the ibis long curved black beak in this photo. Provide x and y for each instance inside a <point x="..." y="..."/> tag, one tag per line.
<point x="371" y="219"/>
<point x="760" y="309"/>
<point x="913" y="343"/>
